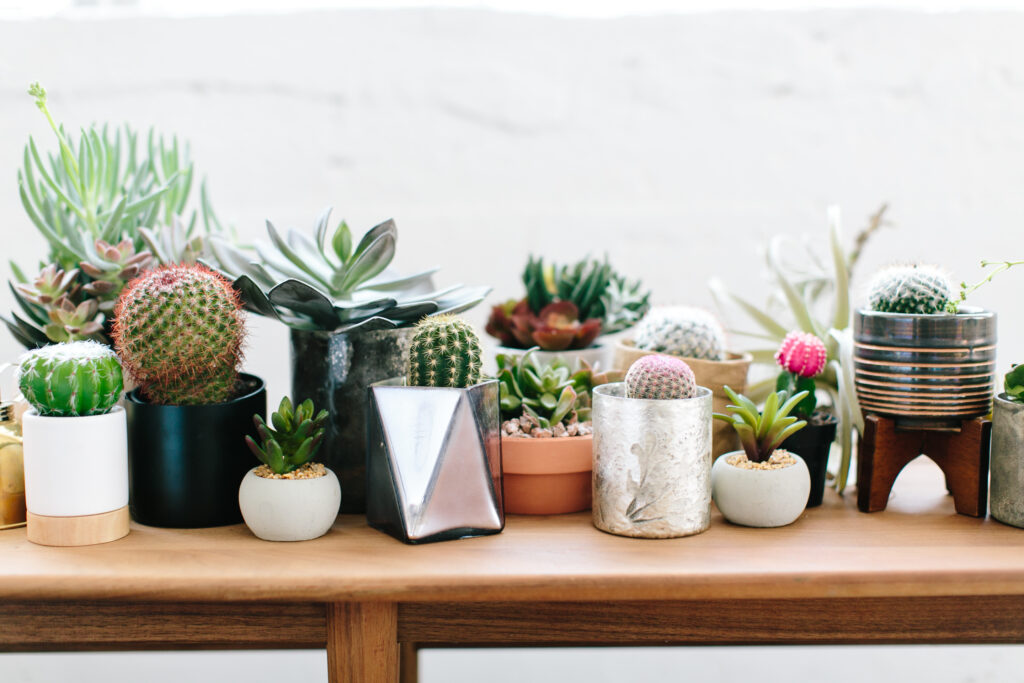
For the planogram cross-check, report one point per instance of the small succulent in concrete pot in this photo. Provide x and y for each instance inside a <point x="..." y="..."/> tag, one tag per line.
<point x="1007" y="453"/>
<point x="289" y="497"/>
<point x="762" y="485"/>
<point x="75" y="444"/>
<point x="433" y="441"/>
<point x="652" y="452"/>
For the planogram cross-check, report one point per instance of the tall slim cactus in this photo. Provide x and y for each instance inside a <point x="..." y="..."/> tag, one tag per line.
<point x="444" y="352"/>
<point x="69" y="380"/>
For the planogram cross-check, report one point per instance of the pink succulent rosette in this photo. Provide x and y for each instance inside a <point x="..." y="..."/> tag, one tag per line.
<point x="802" y="354"/>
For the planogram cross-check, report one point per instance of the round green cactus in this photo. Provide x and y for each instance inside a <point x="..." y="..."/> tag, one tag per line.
<point x="660" y="377"/>
<point x="918" y="289"/>
<point x="73" y="379"/>
<point x="681" y="331"/>
<point x="444" y="352"/>
<point x="179" y="331"/>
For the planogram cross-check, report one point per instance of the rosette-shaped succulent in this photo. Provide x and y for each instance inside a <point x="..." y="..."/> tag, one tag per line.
<point x="762" y="431"/>
<point x="660" y="377"/>
<point x="111" y="268"/>
<point x="294" y="438"/>
<point x="70" y="380"/>
<point x="556" y="328"/>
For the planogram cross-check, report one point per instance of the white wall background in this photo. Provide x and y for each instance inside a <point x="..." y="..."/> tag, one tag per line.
<point x="676" y="143"/>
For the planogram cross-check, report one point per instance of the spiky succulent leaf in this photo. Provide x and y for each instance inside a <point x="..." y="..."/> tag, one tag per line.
<point x="761" y="432"/>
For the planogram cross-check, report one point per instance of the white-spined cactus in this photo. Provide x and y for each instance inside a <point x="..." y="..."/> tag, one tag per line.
<point x="70" y="380"/>
<point x="681" y="331"/>
<point x="921" y="289"/>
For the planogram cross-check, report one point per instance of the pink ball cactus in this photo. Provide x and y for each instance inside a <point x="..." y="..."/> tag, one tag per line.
<point x="660" y="377"/>
<point x="802" y="354"/>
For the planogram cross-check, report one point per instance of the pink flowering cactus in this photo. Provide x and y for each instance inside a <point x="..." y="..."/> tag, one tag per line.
<point x="802" y="354"/>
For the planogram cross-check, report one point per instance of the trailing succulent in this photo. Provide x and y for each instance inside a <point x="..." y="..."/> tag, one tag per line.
<point x="326" y="282"/>
<point x="69" y="380"/>
<point x="179" y="332"/>
<point x="802" y="357"/>
<point x="567" y="307"/>
<point x="294" y="438"/>
<point x="660" y="377"/>
<point x="761" y="432"/>
<point x="444" y="352"/>
<point x="681" y="331"/>
<point x="920" y="289"/>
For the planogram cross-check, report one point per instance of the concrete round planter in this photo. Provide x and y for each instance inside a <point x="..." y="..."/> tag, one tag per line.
<point x="760" y="498"/>
<point x="547" y="476"/>
<point x="289" y="509"/>
<point x="652" y="464"/>
<point x="1007" y="462"/>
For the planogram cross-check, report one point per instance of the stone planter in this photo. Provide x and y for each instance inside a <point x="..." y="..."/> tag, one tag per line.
<point x="289" y="509"/>
<point x="652" y="464"/>
<point x="547" y="476"/>
<point x="813" y="444"/>
<point x="1007" y="462"/>
<point x="434" y="461"/>
<point x="925" y="370"/>
<point x="760" y="498"/>
<point x="335" y="370"/>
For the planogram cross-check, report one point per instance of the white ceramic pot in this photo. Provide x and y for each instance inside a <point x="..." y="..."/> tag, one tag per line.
<point x="289" y="509"/>
<point x="75" y="466"/>
<point x="760" y="498"/>
<point x="599" y="354"/>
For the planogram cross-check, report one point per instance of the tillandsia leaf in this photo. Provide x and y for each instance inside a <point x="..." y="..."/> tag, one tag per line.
<point x="840" y="263"/>
<point x="774" y="329"/>
<point x="796" y="302"/>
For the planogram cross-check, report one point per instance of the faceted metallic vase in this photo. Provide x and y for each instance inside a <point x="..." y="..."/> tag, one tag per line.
<point x="434" y="461"/>
<point x="925" y="371"/>
<point x="1007" y="461"/>
<point x="652" y="464"/>
<point x="335" y="370"/>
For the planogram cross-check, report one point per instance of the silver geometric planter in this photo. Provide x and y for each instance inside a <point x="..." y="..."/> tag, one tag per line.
<point x="1007" y="464"/>
<point x="652" y="464"/>
<point x="434" y="461"/>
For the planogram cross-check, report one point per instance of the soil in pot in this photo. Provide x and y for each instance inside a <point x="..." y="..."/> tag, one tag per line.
<point x="547" y="476"/>
<point x="813" y="443"/>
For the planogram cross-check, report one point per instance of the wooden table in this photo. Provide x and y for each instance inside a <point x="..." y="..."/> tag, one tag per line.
<point x="914" y="573"/>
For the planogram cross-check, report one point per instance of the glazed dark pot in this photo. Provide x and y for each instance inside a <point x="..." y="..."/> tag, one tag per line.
<point x="185" y="463"/>
<point x="813" y="443"/>
<point x="336" y="370"/>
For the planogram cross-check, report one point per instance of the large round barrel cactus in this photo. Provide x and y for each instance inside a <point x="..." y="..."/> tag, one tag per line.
<point x="444" y="352"/>
<point x="68" y="380"/>
<point x="179" y="332"/>
<point x="920" y="289"/>
<point x="681" y="331"/>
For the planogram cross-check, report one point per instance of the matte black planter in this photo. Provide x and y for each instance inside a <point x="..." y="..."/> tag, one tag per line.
<point x="185" y="463"/>
<point x="813" y="443"/>
<point x="336" y="370"/>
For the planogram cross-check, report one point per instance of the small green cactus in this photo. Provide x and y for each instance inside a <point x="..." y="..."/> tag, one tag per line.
<point x="660" y="377"/>
<point x="681" y="331"/>
<point x="444" y="352"/>
<point x="293" y="441"/>
<point x="920" y="289"/>
<point x="69" y="380"/>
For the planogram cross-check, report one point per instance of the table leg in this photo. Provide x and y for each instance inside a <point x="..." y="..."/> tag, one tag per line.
<point x="410" y="666"/>
<point x="362" y="642"/>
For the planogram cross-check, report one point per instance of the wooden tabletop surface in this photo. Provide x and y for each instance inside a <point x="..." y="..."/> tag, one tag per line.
<point x="917" y="547"/>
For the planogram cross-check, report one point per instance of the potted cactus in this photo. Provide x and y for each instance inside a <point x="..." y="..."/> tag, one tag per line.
<point x="695" y="336"/>
<point x="433" y="440"/>
<point x="546" y="434"/>
<point x="652" y="452"/>
<point x="1007" y="451"/>
<point x="802" y="358"/>
<point x="919" y="357"/>
<point x="566" y="310"/>
<point x="75" y="445"/>
<point x="351" y="319"/>
<point x="179" y="331"/>
<point x="289" y="497"/>
<point x="762" y="485"/>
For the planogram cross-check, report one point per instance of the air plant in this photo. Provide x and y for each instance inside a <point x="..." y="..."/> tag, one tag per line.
<point x="762" y="431"/>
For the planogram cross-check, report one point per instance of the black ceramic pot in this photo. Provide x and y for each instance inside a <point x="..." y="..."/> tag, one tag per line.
<point x="185" y="463"/>
<point x="813" y="443"/>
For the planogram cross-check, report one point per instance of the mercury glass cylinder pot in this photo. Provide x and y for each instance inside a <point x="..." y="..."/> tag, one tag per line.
<point x="652" y="464"/>
<point x="335" y="370"/>
<point x="925" y="370"/>
<point x="434" y="461"/>
<point x="1007" y="461"/>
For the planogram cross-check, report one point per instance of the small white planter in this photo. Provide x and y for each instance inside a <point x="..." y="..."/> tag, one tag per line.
<point x="289" y="509"/>
<point x="76" y="477"/>
<point x="594" y="355"/>
<point x="760" y="498"/>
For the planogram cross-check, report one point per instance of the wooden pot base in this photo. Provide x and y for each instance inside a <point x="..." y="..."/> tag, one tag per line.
<point x="961" y="454"/>
<point x="83" y="530"/>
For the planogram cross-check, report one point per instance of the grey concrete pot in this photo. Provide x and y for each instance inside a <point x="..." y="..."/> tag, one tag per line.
<point x="1007" y="462"/>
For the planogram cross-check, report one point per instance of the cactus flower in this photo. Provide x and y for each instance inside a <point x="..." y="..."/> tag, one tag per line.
<point x="802" y="354"/>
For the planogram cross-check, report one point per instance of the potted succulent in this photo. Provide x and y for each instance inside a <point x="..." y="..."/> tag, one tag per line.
<point x="1007" y="453"/>
<point x="289" y="497"/>
<point x="697" y="337"/>
<point x="565" y="311"/>
<point x="179" y="331"/>
<point x="762" y="485"/>
<point x="75" y="443"/>
<point x="546" y="434"/>
<point x="652" y="452"/>
<point x="802" y="358"/>
<point x="351" y="319"/>
<point x="433" y="441"/>
<point x="919" y="357"/>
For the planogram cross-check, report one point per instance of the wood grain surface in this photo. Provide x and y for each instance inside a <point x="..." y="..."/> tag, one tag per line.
<point x="918" y="546"/>
<point x="362" y="642"/>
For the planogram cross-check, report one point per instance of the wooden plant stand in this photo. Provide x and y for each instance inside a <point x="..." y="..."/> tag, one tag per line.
<point x="961" y="454"/>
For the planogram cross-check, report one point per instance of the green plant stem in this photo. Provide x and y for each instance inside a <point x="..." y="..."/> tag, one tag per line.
<point x="966" y="290"/>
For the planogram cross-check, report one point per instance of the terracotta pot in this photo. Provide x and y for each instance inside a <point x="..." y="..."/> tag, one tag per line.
<point x="547" y="476"/>
<point x="713" y="374"/>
